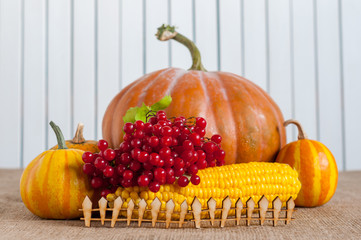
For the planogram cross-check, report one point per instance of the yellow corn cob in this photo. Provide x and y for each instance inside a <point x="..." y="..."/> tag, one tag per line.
<point x="236" y="181"/>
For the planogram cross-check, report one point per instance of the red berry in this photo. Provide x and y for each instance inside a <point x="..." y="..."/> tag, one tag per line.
<point x="179" y="172"/>
<point x="169" y="162"/>
<point x="135" y="166"/>
<point x="154" y="187"/>
<point x="135" y="153"/>
<point x="209" y="147"/>
<point x="187" y="155"/>
<point x="219" y="154"/>
<point x="100" y="163"/>
<point x="126" y="182"/>
<point x="201" y="122"/>
<point x="211" y="163"/>
<point x="220" y="163"/>
<point x="193" y="169"/>
<point x="195" y="179"/>
<point x="160" y="163"/>
<point x="96" y="182"/>
<point x="147" y="148"/>
<point x="153" y="141"/>
<point x="161" y="117"/>
<point x="139" y="125"/>
<point x="128" y="128"/>
<point x="157" y="129"/>
<point x="120" y="169"/>
<point x="143" y="157"/>
<point x="105" y="192"/>
<point x="109" y="154"/>
<point x="88" y="157"/>
<point x="88" y="168"/>
<point x="127" y="137"/>
<point x="154" y="159"/>
<point x="114" y="180"/>
<point x="166" y="141"/>
<point x="178" y="163"/>
<point x="160" y="112"/>
<point x="200" y="131"/>
<point x="136" y="143"/>
<point x="174" y="142"/>
<point x="97" y="173"/>
<point x="125" y="147"/>
<point x="148" y="173"/>
<point x="160" y="175"/>
<point x="148" y="128"/>
<point x="183" y="181"/>
<point x="165" y="152"/>
<point x="127" y="175"/>
<point x="143" y="180"/>
<point x="153" y="120"/>
<point x="139" y="134"/>
<point x="125" y="158"/>
<point x="147" y="165"/>
<point x="201" y="155"/>
<point x="187" y="145"/>
<point x="176" y="132"/>
<point x="108" y="171"/>
<point x="202" y="164"/>
<point x="167" y="131"/>
<point x="102" y="145"/>
<point x="216" y="138"/>
<point x="170" y="179"/>
<point x="195" y="138"/>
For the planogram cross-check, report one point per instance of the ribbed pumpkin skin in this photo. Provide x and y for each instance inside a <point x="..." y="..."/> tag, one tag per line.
<point x="241" y="112"/>
<point x="54" y="186"/>
<point x="87" y="146"/>
<point x="317" y="171"/>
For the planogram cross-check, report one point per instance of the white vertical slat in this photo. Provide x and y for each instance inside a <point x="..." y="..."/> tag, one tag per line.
<point x="255" y="42"/>
<point x="108" y="57"/>
<point x="132" y="42"/>
<point x="206" y="32"/>
<point x="10" y="82"/>
<point x="59" y="68"/>
<point x="181" y="17"/>
<point x="351" y="19"/>
<point x="230" y="36"/>
<point x="84" y="65"/>
<point x="34" y="79"/>
<point x="156" y="51"/>
<point x="329" y="77"/>
<point x="280" y="58"/>
<point x="304" y="66"/>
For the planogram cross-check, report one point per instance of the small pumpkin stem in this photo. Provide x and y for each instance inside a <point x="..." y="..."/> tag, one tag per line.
<point x="79" y="138"/>
<point x="168" y="32"/>
<point x="59" y="136"/>
<point x="301" y="132"/>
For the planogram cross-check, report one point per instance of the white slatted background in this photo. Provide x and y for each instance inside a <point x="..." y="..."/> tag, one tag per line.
<point x="65" y="60"/>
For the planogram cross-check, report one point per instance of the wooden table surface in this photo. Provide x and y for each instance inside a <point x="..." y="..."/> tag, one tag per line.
<point x="338" y="219"/>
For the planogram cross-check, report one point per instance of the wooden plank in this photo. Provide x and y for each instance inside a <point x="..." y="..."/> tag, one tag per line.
<point x="181" y="17"/>
<point x="10" y="79"/>
<point x="304" y="66"/>
<point x="157" y="52"/>
<point x="280" y="59"/>
<point x="255" y="42"/>
<point x="132" y="42"/>
<point x="34" y="79"/>
<point x="230" y="36"/>
<point x="84" y="65"/>
<point x="351" y="37"/>
<point x="206" y="32"/>
<point x="108" y="55"/>
<point x="330" y="125"/>
<point x="60" y="69"/>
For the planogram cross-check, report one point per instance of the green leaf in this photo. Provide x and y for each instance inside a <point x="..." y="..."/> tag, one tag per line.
<point x="130" y="115"/>
<point x="142" y="113"/>
<point x="162" y="104"/>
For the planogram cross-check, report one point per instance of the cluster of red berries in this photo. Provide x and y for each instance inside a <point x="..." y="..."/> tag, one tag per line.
<point x="160" y="151"/>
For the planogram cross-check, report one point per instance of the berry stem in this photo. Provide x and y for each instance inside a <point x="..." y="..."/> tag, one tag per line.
<point x="59" y="136"/>
<point x="168" y="32"/>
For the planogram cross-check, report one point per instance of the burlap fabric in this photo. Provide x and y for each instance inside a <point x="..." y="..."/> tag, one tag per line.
<point x="338" y="219"/>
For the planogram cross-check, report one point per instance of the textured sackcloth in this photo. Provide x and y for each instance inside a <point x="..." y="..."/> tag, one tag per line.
<point x="338" y="219"/>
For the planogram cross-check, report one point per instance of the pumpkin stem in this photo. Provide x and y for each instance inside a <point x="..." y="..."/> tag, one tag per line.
<point x="79" y="138"/>
<point x="301" y="132"/>
<point x="59" y="136"/>
<point x="168" y="32"/>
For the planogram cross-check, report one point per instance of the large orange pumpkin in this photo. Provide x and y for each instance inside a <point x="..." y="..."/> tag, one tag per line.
<point x="53" y="185"/>
<point x="245" y="116"/>
<point x="316" y="167"/>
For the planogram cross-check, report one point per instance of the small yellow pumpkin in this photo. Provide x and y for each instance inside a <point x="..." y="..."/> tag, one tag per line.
<point x="316" y="167"/>
<point x="53" y="185"/>
<point x="79" y="142"/>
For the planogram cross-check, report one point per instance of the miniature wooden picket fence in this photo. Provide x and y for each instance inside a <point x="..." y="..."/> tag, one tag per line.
<point x="195" y="212"/>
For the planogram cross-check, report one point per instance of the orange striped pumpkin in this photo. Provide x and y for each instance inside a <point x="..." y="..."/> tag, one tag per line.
<point x="53" y="185"/>
<point x="79" y="142"/>
<point x="316" y="167"/>
<point x="249" y="121"/>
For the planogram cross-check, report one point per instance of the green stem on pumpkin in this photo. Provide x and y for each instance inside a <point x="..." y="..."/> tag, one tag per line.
<point x="59" y="136"/>
<point x="168" y="32"/>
